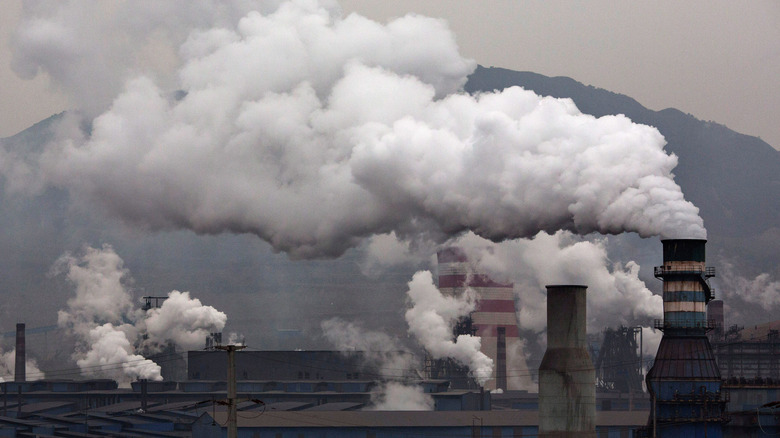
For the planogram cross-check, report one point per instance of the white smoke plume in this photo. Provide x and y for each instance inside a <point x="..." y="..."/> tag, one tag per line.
<point x="236" y="338"/>
<point x="384" y="251"/>
<point x="110" y="355"/>
<point x="8" y="367"/>
<point x="432" y="317"/>
<point x="108" y="327"/>
<point x="100" y="317"/>
<point x="183" y="320"/>
<point x="395" y="396"/>
<point x="384" y="352"/>
<point x="296" y="109"/>
<point x="89" y="49"/>
<point x="761" y="289"/>
<point x="615" y="292"/>
<point x="98" y="276"/>
<point x="388" y="356"/>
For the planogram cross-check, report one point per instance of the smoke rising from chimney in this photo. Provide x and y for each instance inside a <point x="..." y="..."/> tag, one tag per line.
<point x="109" y="327"/>
<point x="615" y="291"/>
<point x="8" y="367"/>
<point x="432" y="318"/>
<point x="298" y="110"/>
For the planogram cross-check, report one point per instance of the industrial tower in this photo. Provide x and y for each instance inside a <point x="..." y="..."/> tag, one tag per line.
<point x="494" y="319"/>
<point x="685" y="382"/>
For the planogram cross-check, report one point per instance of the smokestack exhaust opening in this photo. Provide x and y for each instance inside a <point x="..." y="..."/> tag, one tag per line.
<point x="567" y="378"/>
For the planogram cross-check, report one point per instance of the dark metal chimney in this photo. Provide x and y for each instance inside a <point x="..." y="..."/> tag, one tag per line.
<point x="20" y="370"/>
<point x="567" y="379"/>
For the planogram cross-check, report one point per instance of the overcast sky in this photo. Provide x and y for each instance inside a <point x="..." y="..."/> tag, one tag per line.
<point x="719" y="61"/>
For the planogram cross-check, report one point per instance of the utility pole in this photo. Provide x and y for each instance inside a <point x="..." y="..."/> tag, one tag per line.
<point x="231" y="375"/>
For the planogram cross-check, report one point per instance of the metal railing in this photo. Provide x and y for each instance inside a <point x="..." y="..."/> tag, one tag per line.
<point x="661" y="324"/>
<point x="707" y="272"/>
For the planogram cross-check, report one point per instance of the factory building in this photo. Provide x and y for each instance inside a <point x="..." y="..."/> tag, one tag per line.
<point x="283" y="365"/>
<point x="494" y="319"/>
<point x="329" y="393"/>
<point x="746" y="354"/>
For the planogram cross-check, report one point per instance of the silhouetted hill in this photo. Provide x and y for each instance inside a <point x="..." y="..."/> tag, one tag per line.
<point x="733" y="178"/>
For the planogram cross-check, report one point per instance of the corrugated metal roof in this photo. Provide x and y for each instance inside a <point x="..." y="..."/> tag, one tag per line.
<point x="339" y="406"/>
<point x="419" y="418"/>
<point x="684" y="358"/>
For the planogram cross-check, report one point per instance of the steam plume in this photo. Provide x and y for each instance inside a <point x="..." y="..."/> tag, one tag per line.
<point x="387" y="355"/>
<point x="183" y="320"/>
<point x="108" y="326"/>
<point x="380" y="350"/>
<point x="296" y="109"/>
<point x="8" y="367"/>
<point x="395" y="396"/>
<point x="615" y="292"/>
<point x="761" y="289"/>
<point x="431" y="320"/>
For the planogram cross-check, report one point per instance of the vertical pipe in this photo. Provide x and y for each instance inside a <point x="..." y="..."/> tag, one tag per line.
<point x="232" y="412"/>
<point x="20" y="372"/>
<point x="144" y="390"/>
<point x="232" y="419"/>
<point x="567" y="379"/>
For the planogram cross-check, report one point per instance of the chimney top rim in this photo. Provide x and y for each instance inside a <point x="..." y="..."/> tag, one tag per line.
<point x="555" y="286"/>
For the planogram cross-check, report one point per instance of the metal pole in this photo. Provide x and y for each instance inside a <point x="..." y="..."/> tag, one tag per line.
<point x="231" y="375"/>
<point x="655" y="417"/>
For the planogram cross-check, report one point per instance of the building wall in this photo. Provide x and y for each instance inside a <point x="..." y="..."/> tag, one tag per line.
<point x="281" y="365"/>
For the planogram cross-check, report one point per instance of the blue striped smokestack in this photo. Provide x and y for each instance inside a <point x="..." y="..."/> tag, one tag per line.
<point x="686" y="290"/>
<point x="684" y="382"/>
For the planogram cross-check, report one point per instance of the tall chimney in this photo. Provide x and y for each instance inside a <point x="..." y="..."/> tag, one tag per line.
<point x="20" y="371"/>
<point x="684" y="382"/>
<point x="567" y="379"/>
<point x="715" y="318"/>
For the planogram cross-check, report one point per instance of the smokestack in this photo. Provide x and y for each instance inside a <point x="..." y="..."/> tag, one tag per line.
<point x="684" y="382"/>
<point x="715" y="318"/>
<point x="567" y="379"/>
<point x="494" y="318"/>
<point x="20" y="372"/>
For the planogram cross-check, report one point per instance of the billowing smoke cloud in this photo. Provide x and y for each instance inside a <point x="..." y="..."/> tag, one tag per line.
<point x="431" y="320"/>
<point x="761" y="289"/>
<point x="89" y="50"/>
<point x="395" y="396"/>
<point x="183" y="320"/>
<point x="99" y="316"/>
<point x="615" y="292"/>
<point x="108" y="326"/>
<point x="8" y="367"/>
<point x="110" y="355"/>
<point x="384" y="251"/>
<point x="384" y="352"/>
<point x="395" y="392"/>
<point x="315" y="131"/>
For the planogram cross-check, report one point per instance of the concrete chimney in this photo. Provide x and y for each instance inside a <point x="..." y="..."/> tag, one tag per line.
<point x="20" y="372"/>
<point x="567" y="379"/>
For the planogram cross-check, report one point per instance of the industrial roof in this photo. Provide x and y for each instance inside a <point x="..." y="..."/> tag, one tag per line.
<point x="376" y="419"/>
